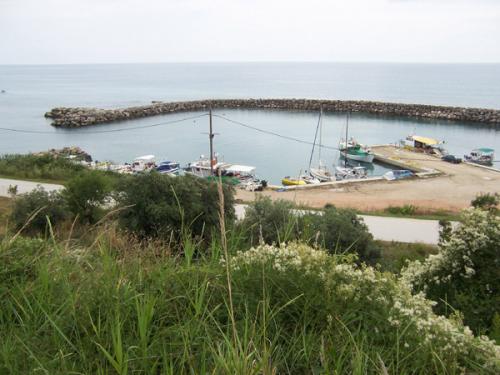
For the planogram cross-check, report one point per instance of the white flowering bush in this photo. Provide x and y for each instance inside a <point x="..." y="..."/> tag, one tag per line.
<point x="465" y="274"/>
<point x="337" y="296"/>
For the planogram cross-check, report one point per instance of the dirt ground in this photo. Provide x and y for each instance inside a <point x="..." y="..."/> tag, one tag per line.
<point x="452" y="191"/>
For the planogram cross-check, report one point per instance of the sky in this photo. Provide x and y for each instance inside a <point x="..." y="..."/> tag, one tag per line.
<point x="128" y="31"/>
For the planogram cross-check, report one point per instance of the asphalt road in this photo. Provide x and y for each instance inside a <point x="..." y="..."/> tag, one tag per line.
<point x="382" y="228"/>
<point x="391" y="228"/>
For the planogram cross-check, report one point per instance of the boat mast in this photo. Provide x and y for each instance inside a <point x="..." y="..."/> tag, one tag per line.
<point x="320" y="134"/>
<point x="315" y="137"/>
<point x="346" y="135"/>
<point x="211" y="137"/>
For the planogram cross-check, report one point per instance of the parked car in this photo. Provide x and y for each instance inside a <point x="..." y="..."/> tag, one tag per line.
<point x="451" y="159"/>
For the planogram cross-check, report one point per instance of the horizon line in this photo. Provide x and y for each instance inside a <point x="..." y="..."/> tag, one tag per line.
<point x="259" y="62"/>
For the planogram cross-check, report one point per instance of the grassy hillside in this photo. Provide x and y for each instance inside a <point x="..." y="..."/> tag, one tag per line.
<point x="122" y="306"/>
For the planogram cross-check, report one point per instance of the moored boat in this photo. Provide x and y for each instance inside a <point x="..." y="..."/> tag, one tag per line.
<point x="169" y="167"/>
<point x="322" y="173"/>
<point x="483" y="156"/>
<point x="398" y="174"/>
<point x="301" y="180"/>
<point x="346" y="173"/>
<point x="352" y="150"/>
<point x="291" y="181"/>
<point x="143" y="163"/>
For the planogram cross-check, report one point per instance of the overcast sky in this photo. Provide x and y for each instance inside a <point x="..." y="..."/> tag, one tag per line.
<point x="108" y="31"/>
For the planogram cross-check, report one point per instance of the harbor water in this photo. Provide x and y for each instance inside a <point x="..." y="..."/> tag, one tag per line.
<point x="30" y="91"/>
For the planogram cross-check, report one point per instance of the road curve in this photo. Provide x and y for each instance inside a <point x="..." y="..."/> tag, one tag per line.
<point x="391" y="228"/>
<point x="382" y="228"/>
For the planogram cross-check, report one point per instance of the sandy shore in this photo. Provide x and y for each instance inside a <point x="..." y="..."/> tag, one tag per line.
<point x="453" y="191"/>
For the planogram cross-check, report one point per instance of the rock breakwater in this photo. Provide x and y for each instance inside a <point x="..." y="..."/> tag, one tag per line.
<point x="77" y="117"/>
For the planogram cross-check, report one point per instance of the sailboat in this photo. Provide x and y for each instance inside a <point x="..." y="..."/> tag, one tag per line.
<point x="348" y="151"/>
<point x="320" y="173"/>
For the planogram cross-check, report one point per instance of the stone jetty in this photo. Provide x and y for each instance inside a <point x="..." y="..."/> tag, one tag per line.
<point x="77" y="117"/>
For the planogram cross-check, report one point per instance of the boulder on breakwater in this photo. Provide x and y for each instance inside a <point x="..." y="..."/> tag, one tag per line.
<point x="76" y="117"/>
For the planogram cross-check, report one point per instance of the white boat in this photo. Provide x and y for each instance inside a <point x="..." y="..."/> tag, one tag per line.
<point x="398" y="174"/>
<point x="426" y="144"/>
<point x="143" y="163"/>
<point x="346" y="173"/>
<point x="170" y="168"/>
<point x="203" y="168"/>
<point x="320" y="173"/>
<point x="483" y="156"/>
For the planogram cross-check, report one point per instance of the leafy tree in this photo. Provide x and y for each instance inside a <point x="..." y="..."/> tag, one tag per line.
<point x="86" y="195"/>
<point x="157" y="205"/>
<point x="32" y="210"/>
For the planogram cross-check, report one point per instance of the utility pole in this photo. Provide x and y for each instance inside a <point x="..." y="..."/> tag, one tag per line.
<point x="211" y="136"/>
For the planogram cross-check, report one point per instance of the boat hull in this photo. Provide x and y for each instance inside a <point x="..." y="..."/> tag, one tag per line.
<point x="368" y="158"/>
<point x="321" y="175"/>
<point x="292" y="182"/>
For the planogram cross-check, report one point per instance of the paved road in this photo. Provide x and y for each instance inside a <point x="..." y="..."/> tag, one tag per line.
<point x="391" y="228"/>
<point x="24" y="186"/>
<point x="382" y="228"/>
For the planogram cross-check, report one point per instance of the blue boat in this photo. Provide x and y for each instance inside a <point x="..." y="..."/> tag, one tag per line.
<point x="168" y="167"/>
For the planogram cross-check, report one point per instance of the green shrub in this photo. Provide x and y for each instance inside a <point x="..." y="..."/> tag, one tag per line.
<point x="86" y="194"/>
<point x="159" y="206"/>
<point x="486" y="201"/>
<point x="406" y="210"/>
<point x="464" y="274"/>
<point x="32" y="210"/>
<point x="338" y="230"/>
<point x="341" y="230"/>
<point x="270" y="221"/>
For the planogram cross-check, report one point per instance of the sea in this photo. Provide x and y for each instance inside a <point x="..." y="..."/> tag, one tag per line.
<point x="31" y="90"/>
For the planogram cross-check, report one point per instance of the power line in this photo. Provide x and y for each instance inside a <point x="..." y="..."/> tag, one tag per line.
<point x="109" y="131"/>
<point x="273" y="133"/>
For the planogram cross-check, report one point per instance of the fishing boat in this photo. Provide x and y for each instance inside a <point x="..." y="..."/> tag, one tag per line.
<point x="143" y="163"/>
<point x="425" y="144"/>
<point x="353" y="150"/>
<point x="483" y="156"/>
<point x="347" y="172"/>
<point x="169" y="167"/>
<point x="203" y="167"/>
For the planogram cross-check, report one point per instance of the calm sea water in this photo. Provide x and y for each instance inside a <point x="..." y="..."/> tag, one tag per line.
<point x="32" y="90"/>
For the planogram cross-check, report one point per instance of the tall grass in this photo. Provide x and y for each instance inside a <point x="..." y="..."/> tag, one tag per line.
<point x="101" y="309"/>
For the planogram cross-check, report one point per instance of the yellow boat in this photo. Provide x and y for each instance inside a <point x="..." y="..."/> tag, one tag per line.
<point x="288" y="181"/>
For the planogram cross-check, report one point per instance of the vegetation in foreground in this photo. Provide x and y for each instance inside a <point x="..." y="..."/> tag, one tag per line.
<point x="119" y="307"/>
<point x="39" y="167"/>
<point x="137" y="277"/>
